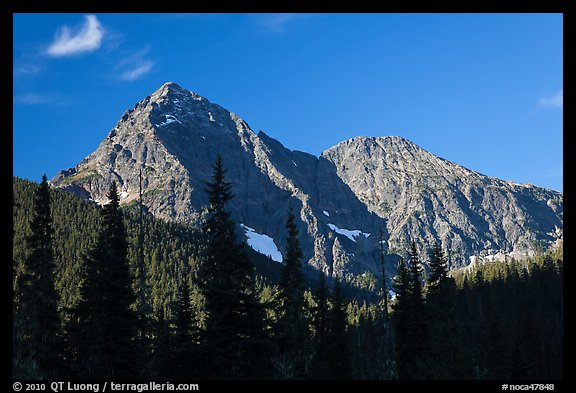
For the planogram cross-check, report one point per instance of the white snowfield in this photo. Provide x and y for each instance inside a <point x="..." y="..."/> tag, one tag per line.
<point x="264" y="244"/>
<point x="350" y="234"/>
<point x="326" y="213"/>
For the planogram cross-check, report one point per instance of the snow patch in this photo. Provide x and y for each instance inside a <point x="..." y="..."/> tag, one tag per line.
<point x="195" y="96"/>
<point x="124" y="195"/>
<point x="262" y="243"/>
<point x="326" y="213"/>
<point x="500" y="256"/>
<point x="169" y="119"/>
<point x="294" y="163"/>
<point x="210" y="117"/>
<point x="350" y="234"/>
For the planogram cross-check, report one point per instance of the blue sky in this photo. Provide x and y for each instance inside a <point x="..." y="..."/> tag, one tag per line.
<point x="482" y="90"/>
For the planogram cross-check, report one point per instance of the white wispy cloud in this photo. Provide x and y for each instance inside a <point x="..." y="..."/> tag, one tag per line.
<point x="85" y="38"/>
<point x="32" y="99"/>
<point x="554" y="101"/>
<point x="138" y="70"/>
<point x="133" y="65"/>
<point x="278" y="23"/>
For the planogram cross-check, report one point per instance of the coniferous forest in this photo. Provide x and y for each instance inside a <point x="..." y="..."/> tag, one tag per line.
<point x="102" y="292"/>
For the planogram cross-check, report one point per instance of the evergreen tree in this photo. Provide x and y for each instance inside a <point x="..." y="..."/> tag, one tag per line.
<point x="233" y="339"/>
<point x="339" y="352"/>
<point x="384" y="342"/>
<point x="443" y="360"/>
<point x="384" y="287"/>
<point x="409" y="319"/>
<point x="417" y="326"/>
<point x="401" y="319"/>
<point x="103" y="326"/>
<point x="142" y="307"/>
<point x="415" y="283"/>
<point x="293" y="326"/>
<point x="438" y="268"/>
<point x="36" y="319"/>
<point x="321" y="338"/>
<point x="185" y="336"/>
<point x="161" y="360"/>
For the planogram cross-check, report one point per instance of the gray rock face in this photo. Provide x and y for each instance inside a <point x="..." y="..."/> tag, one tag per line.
<point x="341" y="198"/>
<point x="425" y="197"/>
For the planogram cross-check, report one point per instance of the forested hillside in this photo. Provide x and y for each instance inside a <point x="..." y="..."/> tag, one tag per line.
<point x="197" y="308"/>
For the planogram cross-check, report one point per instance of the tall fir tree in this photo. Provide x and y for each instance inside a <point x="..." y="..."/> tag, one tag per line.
<point x="417" y="326"/>
<point x="409" y="323"/>
<point x="161" y="364"/>
<point x="339" y="351"/>
<point x="384" y="344"/>
<point x="234" y="337"/>
<point x="102" y="326"/>
<point x="415" y="284"/>
<point x="185" y="335"/>
<point x="401" y="319"/>
<point x="293" y="325"/>
<point x="321" y="323"/>
<point x="383" y="267"/>
<point x="443" y="355"/>
<point x="142" y="306"/>
<point x="37" y="339"/>
<point x="438" y="268"/>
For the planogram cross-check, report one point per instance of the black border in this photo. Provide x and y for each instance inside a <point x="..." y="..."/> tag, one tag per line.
<point x="566" y="7"/>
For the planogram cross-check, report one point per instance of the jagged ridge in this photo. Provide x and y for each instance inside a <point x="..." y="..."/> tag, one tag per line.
<point x="361" y="184"/>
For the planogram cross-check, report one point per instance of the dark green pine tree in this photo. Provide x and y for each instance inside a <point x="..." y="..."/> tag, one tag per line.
<point x="293" y="326"/>
<point x="415" y="285"/>
<point x="339" y="353"/>
<point x="161" y="365"/>
<point x="409" y="323"/>
<point x="142" y="305"/>
<point x="233" y="342"/>
<point x="185" y="335"/>
<point x="36" y="319"/>
<point x="401" y="319"/>
<point x="417" y="326"/>
<point x="438" y="269"/>
<point x="102" y="326"/>
<point x="443" y="355"/>
<point x="320" y="322"/>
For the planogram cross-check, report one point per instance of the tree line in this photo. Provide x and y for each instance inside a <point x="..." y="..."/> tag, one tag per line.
<point x="105" y="292"/>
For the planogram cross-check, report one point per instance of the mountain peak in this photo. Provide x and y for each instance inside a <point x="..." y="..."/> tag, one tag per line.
<point x="171" y="86"/>
<point x="358" y="186"/>
<point x="174" y="92"/>
<point x="369" y="142"/>
<point x="383" y="140"/>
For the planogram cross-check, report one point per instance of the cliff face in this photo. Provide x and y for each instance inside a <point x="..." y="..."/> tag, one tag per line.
<point x="341" y="198"/>
<point x="425" y="197"/>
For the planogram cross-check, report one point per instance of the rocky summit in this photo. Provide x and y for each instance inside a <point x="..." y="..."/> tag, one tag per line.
<point x="342" y="199"/>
